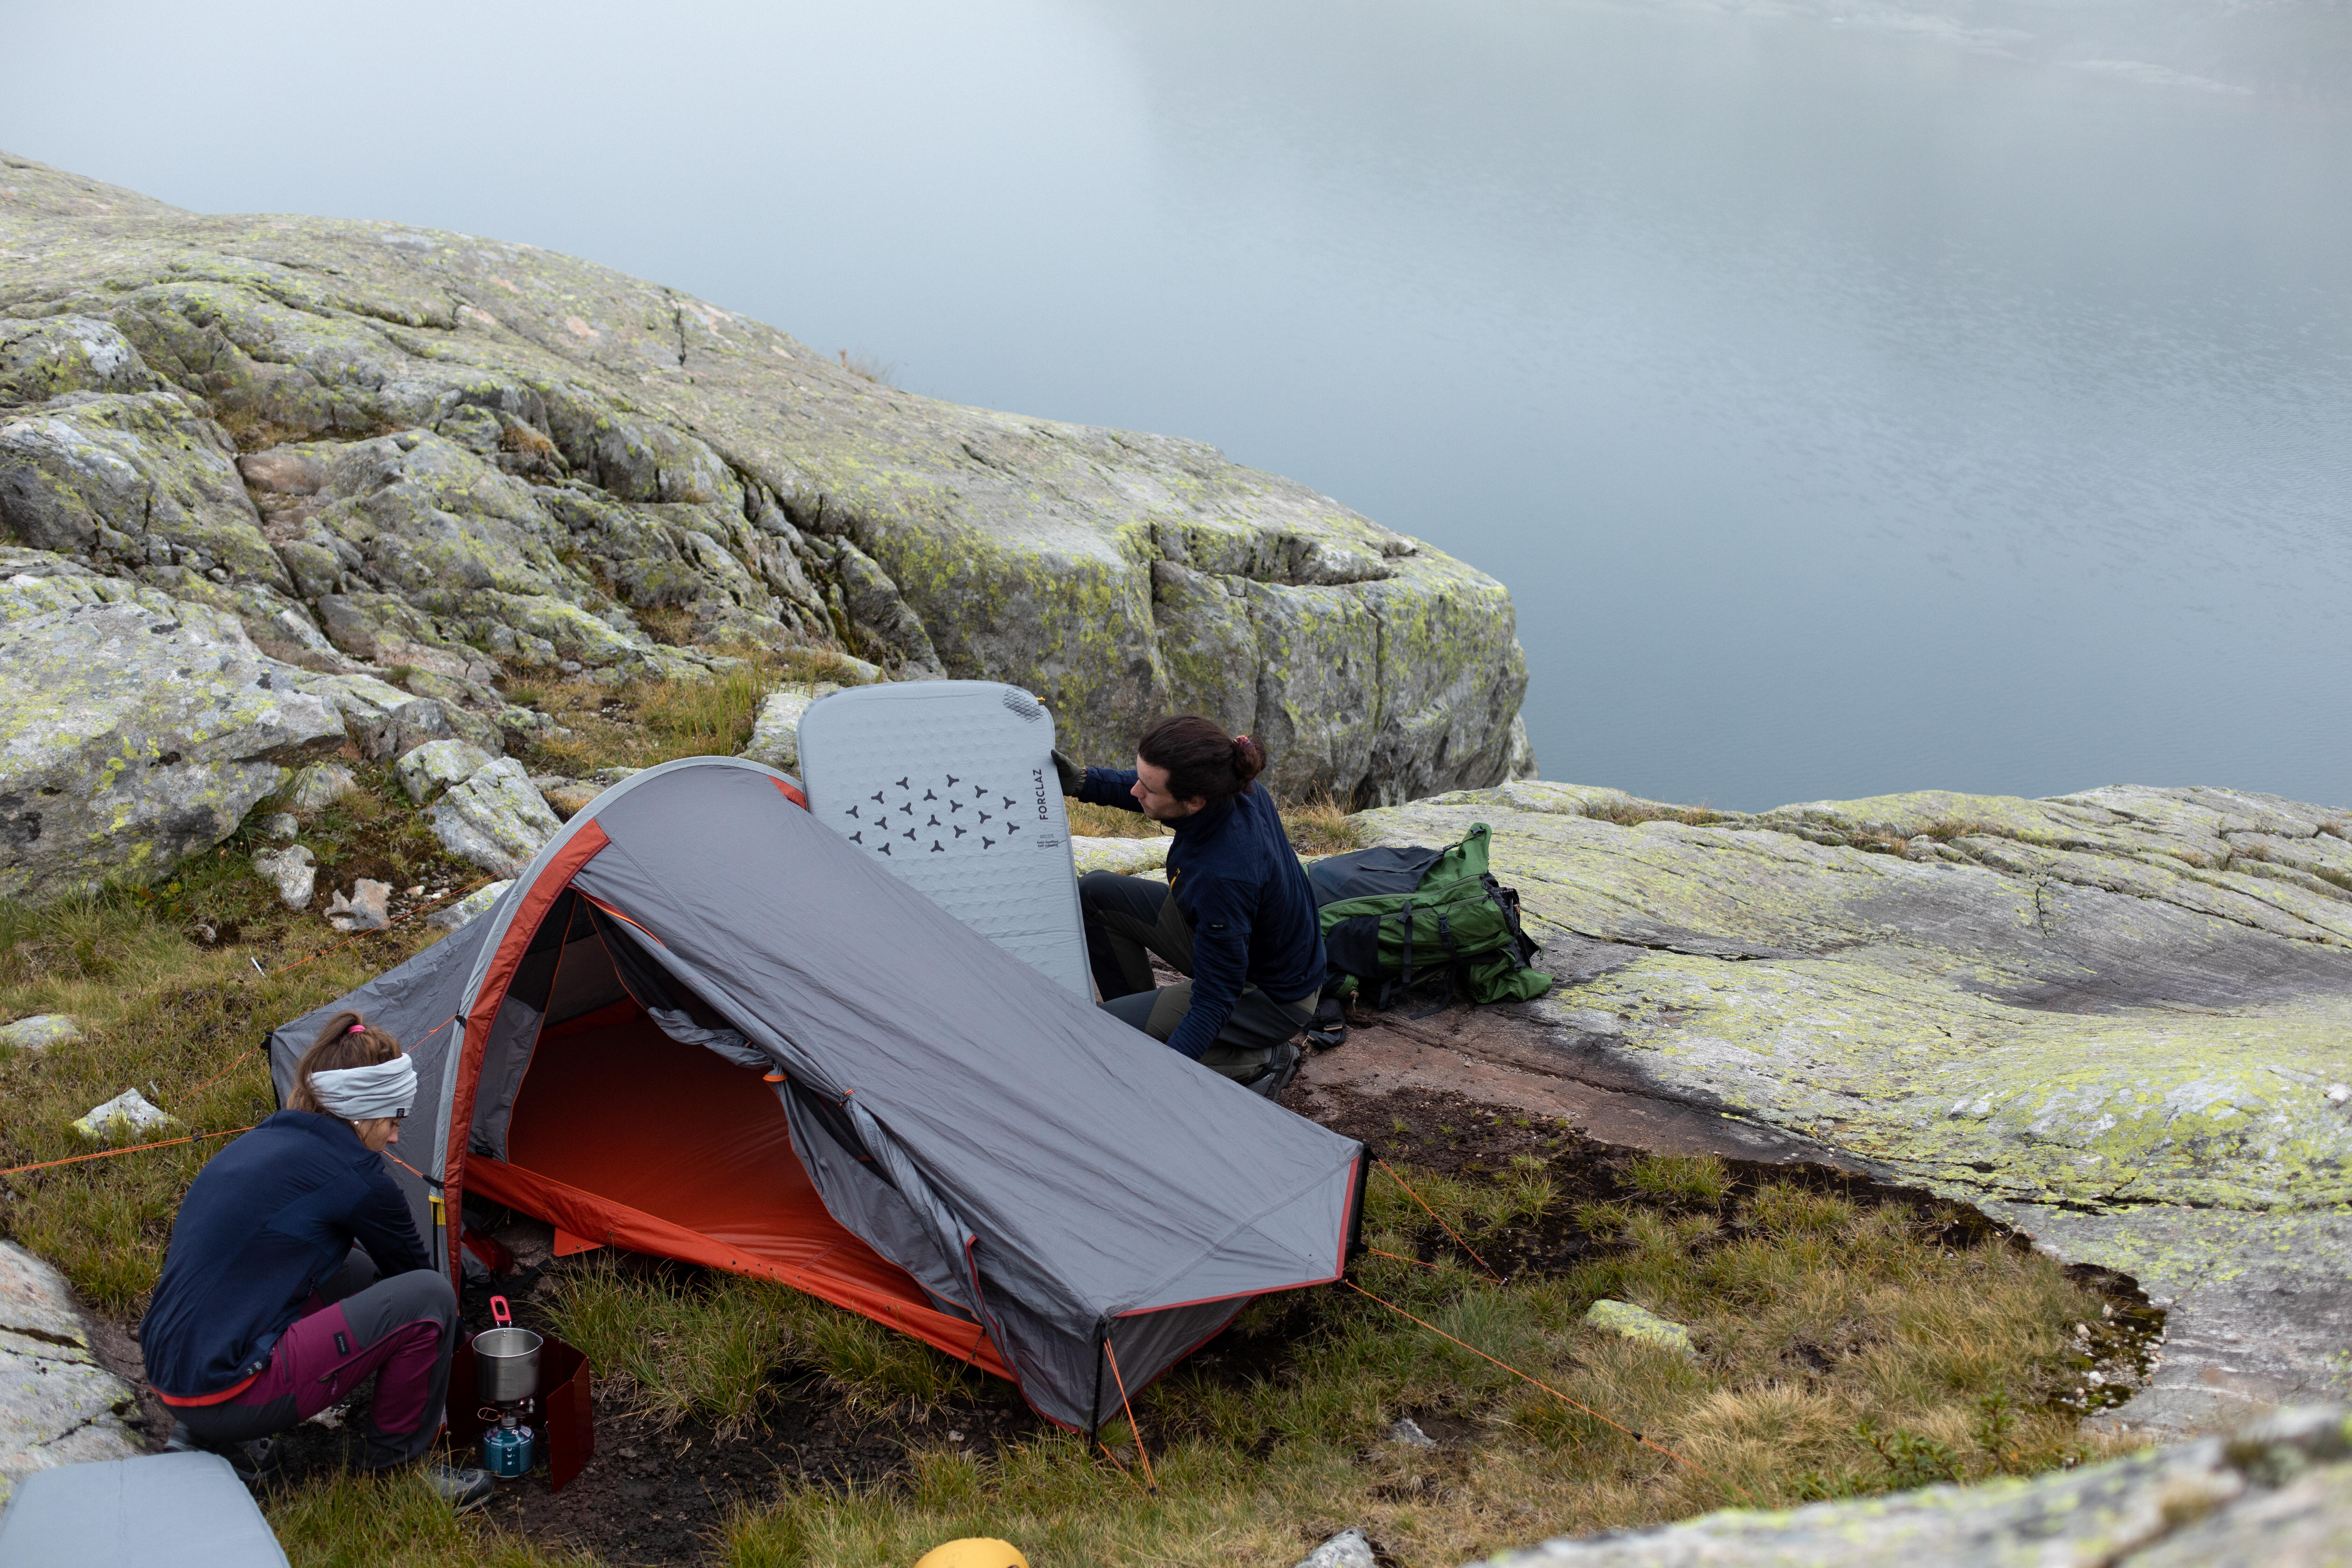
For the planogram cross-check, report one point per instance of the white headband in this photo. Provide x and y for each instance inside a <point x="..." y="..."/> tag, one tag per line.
<point x="358" y="1094"/>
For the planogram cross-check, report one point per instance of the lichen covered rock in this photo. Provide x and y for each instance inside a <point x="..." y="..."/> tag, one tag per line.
<point x="2116" y="1020"/>
<point x="292" y="871"/>
<point x="134" y="730"/>
<point x="495" y="818"/>
<point x="58" y="1405"/>
<point x="428" y="450"/>
<point x="429" y="769"/>
<point x="776" y="733"/>
<point x="40" y="1032"/>
<point x="2278" y="1492"/>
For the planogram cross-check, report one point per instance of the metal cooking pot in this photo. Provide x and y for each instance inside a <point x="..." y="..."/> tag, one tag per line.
<point x="506" y="1359"/>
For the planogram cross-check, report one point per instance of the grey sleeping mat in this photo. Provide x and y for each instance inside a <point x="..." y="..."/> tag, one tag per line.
<point x="161" y="1511"/>
<point x="950" y="785"/>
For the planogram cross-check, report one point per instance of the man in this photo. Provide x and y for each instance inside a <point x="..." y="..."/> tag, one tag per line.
<point x="1235" y="915"/>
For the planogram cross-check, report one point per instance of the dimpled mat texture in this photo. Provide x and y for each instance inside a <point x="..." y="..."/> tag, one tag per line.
<point x="950" y="785"/>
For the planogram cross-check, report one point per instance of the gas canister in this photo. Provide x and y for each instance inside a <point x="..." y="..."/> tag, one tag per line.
<point x="507" y="1449"/>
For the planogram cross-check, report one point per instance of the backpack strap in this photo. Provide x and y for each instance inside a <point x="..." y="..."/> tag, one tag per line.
<point x="1405" y="915"/>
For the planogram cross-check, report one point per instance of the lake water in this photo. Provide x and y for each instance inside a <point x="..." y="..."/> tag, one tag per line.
<point x="1855" y="397"/>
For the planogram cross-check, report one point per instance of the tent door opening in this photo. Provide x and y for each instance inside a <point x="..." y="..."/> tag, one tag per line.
<point x="603" y="1124"/>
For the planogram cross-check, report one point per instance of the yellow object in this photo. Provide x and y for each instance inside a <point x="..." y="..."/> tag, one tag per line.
<point x="977" y="1552"/>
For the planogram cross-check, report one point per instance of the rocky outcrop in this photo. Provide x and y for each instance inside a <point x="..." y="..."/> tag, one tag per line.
<point x="2278" y="1493"/>
<point x="421" y="450"/>
<point x="58" y="1404"/>
<point x="2120" y="1020"/>
<point x="495" y="817"/>
<point x="134" y="728"/>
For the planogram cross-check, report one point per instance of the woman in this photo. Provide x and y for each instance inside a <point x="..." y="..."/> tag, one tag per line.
<point x="295" y="1272"/>
<point x="1235" y="915"/>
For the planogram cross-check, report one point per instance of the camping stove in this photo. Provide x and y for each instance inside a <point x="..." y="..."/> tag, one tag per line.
<point x="506" y="1374"/>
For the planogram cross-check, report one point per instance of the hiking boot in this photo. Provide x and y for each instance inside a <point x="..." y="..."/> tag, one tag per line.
<point x="258" y="1464"/>
<point x="1280" y="1068"/>
<point x="182" y="1440"/>
<point x="461" y="1490"/>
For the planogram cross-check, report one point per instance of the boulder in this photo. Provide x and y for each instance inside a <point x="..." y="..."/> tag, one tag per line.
<point x="58" y="1404"/>
<point x="280" y="824"/>
<point x="495" y="818"/>
<point x="564" y="796"/>
<point x="320" y="784"/>
<point x="2113" y="1019"/>
<point x="776" y="733"/>
<point x="40" y="1032"/>
<point x="1628" y="1321"/>
<point x="1128" y="856"/>
<point x="2277" y="1492"/>
<point x="292" y="872"/>
<point x="125" y="1114"/>
<point x="449" y="451"/>
<point x="134" y="730"/>
<point x="465" y="911"/>
<point x="437" y="765"/>
<point x="1349" y="1549"/>
<point x="368" y="907"/>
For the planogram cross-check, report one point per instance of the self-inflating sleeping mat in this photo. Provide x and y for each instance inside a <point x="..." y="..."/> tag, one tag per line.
<point x="703" y="1025"/>
<point x="950" y="785"/>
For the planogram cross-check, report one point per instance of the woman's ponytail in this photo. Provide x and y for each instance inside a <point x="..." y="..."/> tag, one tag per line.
<point x="1203" y="762"/>
<point x="347" y="1041"/>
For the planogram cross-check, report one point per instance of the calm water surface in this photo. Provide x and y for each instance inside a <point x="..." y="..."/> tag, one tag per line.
<point x="1856" y="397"/>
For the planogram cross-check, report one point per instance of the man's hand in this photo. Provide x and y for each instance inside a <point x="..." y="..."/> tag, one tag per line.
<point x="1071" y="774"/>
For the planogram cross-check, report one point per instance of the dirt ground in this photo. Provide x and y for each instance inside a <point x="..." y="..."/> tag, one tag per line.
<point x="1462" y="1091"/>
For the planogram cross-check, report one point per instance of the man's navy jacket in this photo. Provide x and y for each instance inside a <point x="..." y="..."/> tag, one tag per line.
<point x="270" y="1217"/>
<point x="1232" y="872"/>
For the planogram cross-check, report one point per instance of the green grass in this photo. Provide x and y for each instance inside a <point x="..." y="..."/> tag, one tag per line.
<point x="1935" y="1361"/>
<point x="393" y="1521"/>
<point x="178" y="1019"/>
<point x="720" y="1347"/>
<point x="647" y="722"/>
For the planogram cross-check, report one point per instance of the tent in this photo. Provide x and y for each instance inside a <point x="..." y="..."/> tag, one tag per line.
<point x="701" y="1024"/>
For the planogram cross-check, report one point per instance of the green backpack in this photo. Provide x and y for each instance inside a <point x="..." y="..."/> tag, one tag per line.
<point x="1395" y="918"/>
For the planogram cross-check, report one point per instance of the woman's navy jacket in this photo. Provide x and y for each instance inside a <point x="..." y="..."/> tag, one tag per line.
<point x="269" y="1218"/>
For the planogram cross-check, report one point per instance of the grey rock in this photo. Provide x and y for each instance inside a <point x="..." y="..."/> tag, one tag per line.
<point x="567" y="797"/>
<point x="368" y="907"/>
<point x="554" y="451"/>
<point x="1629" y="1322"/>
<point x="320" y="784"/>
<point x="58" y="1405"/>
<point x="143" y="480"/>
<point x="2279" y="1497"/>
<point x="1127" y="856"/>
<point x="527" y="727"/>
<point x="126" y="1113"/>
<point x="775" y="735"/>
<point x="48" y="358"/>
<point x="2105" y="1018"/>
<point x="292" y="872"/>
<point x="470" y="908"/>
<point x="1349" y="1549"/>
<point x="138" y="730"/>
<point x="280" y="824"/>
<point x="40" y="1032"/>
<point x="1408" y="1431"/>
<point x="435" y="766"/>
<point x="495" y="818"/>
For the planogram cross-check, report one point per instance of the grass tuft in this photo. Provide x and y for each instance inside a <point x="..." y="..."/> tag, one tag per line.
<point x="721" y="1348"/>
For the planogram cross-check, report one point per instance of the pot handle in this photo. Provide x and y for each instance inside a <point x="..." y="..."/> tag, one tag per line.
<point x="499" y="1314"/>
